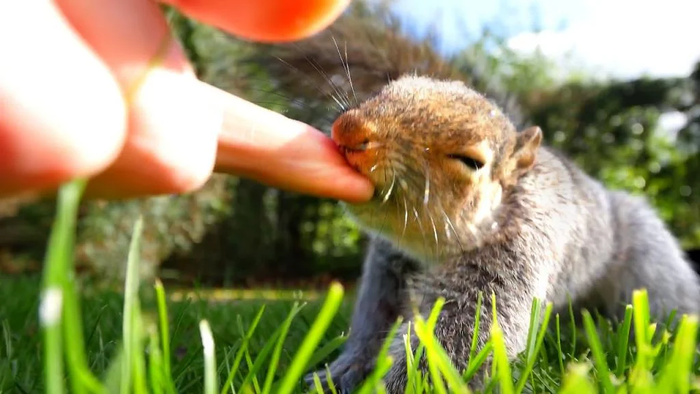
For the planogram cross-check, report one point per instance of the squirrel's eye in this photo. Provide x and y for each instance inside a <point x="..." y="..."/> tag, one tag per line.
<point x="468" y="161"/>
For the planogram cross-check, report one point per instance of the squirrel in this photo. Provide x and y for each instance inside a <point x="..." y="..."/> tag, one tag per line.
<point x="469" y="200"/>
<point x="466" y="203"/>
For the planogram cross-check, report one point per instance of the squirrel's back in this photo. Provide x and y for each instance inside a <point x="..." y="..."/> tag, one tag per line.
<point x="609" y="242"/>
<point x="645" y="248"/>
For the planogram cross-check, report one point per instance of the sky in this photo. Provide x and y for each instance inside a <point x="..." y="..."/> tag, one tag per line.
<point x="618" y="38"/>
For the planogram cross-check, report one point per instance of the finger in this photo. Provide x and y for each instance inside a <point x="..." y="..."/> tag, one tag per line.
<point x="63" y="115"/>
<point x="171" y="143"/>
<point x="258" y="143"/>
<point x="265" y="20"/>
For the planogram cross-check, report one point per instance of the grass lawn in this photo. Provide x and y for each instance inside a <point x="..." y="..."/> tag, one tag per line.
<point x="21" y="353"/>
<point x="143" y="338"/>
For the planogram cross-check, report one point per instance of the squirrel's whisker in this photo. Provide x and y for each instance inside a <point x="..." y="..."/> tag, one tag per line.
<point x="391" y="187"/>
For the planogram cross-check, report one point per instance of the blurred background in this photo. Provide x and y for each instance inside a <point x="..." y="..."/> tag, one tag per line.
<point x="616" y="85"/>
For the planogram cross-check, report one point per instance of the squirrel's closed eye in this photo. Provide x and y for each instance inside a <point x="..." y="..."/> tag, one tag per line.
<point x="468" y="161"/>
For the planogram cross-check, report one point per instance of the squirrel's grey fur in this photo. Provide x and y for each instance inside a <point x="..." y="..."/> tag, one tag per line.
<point x="560" y="234"/>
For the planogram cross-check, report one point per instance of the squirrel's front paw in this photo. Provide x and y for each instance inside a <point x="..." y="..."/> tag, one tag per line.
<point x="347" y="372"/>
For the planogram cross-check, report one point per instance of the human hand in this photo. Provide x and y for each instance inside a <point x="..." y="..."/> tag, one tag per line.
<point x="100" y="90"/>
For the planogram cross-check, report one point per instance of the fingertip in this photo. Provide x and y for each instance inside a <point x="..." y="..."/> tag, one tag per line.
<point x="341" y="181"/>
<point x="354" y="188"/>
<point x="265" y="20"/>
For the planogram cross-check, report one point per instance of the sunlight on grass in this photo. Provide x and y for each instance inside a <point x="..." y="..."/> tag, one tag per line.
<point x="246" y="294"/>
<point x="657" y="360"/>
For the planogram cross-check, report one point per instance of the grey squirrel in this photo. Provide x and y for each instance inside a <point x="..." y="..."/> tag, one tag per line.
<point x="468" y="200"/>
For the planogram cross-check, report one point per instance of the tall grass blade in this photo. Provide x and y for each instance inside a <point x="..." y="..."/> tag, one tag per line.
<point x="500" y="354"/>
<point x="209" y="358"/>
<point x="598" y="354"/>
<point x="475" y="333"/>
<point x="164" y="335"/>
<point x="57" y="295"/>
<point x="329" y="347"/>
<point x="279" y="335"/>
<point x="384" y="361"/>
<point x="50" y="318"/>
<point x="478" y="361"/>
<point x="436" y="354"/>
<point x="623" y="336"/>
<point x="313" y="337"/>
<point x="243" y="348"/>
<point x="560" y="353"/>
<point x="274" y="362"/>
<point x="131" y="310"/>
<point x="678" y="372"/>
<point x="155" y="362"/>
<point x="539" y="331"/>
<point x="639" y="376"/>
<point x="576" y="380"/>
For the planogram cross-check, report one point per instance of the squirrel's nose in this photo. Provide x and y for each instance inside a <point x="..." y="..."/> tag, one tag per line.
<point x="351" y="133"/>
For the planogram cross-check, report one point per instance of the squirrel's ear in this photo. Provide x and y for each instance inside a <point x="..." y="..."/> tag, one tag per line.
<point x="527" y="143"/>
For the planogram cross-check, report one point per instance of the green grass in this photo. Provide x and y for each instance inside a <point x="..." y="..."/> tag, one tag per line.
<point x="60" y="335"/>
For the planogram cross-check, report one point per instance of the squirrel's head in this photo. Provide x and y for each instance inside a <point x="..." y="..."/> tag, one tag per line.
<point x="440" y="156"/>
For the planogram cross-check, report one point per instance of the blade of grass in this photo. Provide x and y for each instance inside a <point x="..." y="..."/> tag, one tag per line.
<point x="50" y="318"/>
<point x="475" y="333"/>
<point x="572" y="323"/>
<point x="130" y="336"/>
<point x="209" y="358"/>
<point x="540" y="331"/>
<point x="329" y="379"/>
<point x="328" y="348"/>
<point x="317" y="384"/>
<point x="274" y="362"/>
<point x="56" y="297"/>
<point x="267" y="348"/>
<point x="411" y="368"/>
<point x="576" y="380"/>
<point x="439" y="362"/>
<point x="433" y="369"/>
<point x="155" y="362"/>
<point x="437" y="356"/>
<point x="560" y="353"/>
<point x="676" y="373"/>
<point x="241" y="350"/>
<point x="82" y="378"/>
<point x="532" y="330"/>
<point x="382" y="367"/>
<point x="500" y="359"/>
<point x="639" y="376"/>
<point x="254" y="367"/>
<point x="598" y="355"/>
<point x="478" y="361"/>
<point x="314" y="336"/>
<point x="383" y="361"/>
<point x="623" y="336"/>
<point x="137" y="350"/>
<point x="500" y="355"/>
<point x="112" y="376"/>
<point x="164" y="335"/>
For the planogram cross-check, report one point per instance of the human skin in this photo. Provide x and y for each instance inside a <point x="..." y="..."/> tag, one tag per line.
<point x="101" y="90"/>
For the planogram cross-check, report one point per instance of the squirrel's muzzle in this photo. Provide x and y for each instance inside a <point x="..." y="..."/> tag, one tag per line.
<point x="354" y="138"/>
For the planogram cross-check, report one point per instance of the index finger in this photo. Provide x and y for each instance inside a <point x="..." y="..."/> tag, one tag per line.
<point x="265" y="20"/>
<point x="280" y="152"/>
